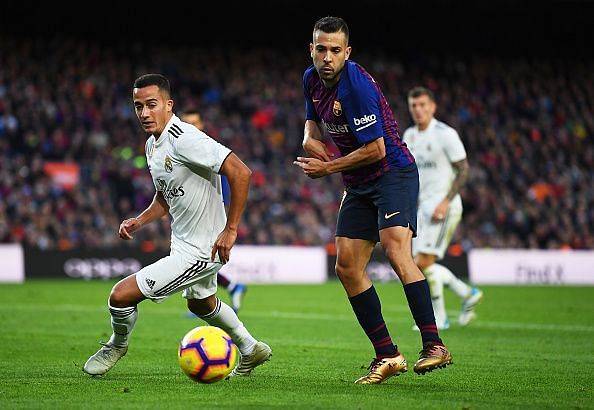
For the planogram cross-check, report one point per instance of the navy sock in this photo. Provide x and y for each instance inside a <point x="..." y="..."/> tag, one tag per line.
<point x="419" y="301"/>
<point x="368" y="309"/>
<point x="223" y="281"/>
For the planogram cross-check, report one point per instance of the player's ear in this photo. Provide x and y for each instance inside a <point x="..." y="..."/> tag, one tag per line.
<point x="347" y="52"/>
<point x="170" y="105"/>
<point x="311" y="48"/>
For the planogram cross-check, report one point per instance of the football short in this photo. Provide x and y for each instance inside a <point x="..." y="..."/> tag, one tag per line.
<point x="390" y="200"/>
<point x="435" y="236"/>
<point x="176" y="272"/>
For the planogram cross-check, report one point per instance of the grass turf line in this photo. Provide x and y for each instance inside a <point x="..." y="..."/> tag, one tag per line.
<point x="531" y="347"/>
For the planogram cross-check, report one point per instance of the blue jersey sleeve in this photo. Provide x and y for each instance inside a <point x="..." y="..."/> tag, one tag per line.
<point x="310" y="113"/>
<point x="361" y="106"/>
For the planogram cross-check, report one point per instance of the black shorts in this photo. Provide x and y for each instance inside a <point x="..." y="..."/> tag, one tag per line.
<point x="390" y="200"/>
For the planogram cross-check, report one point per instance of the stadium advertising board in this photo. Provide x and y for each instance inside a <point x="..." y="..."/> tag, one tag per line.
<point x="249" y="264"/>
<point x="13" y="267"/>
<point x="277" y="264"/>
<point x="539" y="267"/>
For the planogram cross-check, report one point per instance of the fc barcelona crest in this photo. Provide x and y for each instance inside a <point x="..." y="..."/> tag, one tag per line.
<point x="337" y="108"/>
<point x="168" y="164"/>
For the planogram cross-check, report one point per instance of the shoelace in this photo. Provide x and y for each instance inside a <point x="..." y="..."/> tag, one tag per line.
<point x="375" y="363"/>
<point x="428" y="350"/>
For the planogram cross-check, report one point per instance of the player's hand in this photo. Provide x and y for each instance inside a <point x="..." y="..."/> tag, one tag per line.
<point x="312" y="167"/>
<point x="128" y="227"/>
<point x="317" y="149"/>
<point x="223" y="245"/>
<point x="441" y="210"/>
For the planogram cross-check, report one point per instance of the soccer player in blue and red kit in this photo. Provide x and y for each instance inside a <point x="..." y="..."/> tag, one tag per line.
<point x="380" y="198"/>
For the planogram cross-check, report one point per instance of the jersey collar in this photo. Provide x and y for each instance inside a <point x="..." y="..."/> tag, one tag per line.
<point x="431" y="125"/>
<point x="174" y="119"/>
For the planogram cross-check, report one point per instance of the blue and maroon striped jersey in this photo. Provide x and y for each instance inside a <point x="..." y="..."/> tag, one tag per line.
<point x="355" y="112"/>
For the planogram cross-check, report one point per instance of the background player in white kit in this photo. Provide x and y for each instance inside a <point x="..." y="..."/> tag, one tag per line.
<point x="185" y="164"/>
<point x="443" y="171"/>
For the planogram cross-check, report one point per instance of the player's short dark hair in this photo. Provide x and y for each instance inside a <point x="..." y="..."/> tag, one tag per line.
<point x="331" y="24"/>
<point x="153" y="79"/>
<point x="419" y="91"/>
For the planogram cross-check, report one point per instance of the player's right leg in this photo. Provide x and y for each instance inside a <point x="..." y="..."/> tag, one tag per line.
<point x="352" y="257"/>
<point x="123" y="302"/>
<point x="356" y="235"/>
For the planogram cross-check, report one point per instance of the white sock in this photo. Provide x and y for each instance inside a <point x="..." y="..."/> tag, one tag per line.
<point x="231" y="286"/>
<point x="460" y="289"/>
<point x="122" y="323"/>
<point x="224" y="317"/>
<point x="437" y="299"/>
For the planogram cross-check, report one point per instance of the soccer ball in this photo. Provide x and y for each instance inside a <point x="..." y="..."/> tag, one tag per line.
<point x="207" y="354"/>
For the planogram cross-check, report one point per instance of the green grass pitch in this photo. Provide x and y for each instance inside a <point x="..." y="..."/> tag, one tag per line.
<point x="530" y="348"/>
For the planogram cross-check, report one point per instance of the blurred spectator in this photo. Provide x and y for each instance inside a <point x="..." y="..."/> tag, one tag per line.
<point x="528" y="124"/>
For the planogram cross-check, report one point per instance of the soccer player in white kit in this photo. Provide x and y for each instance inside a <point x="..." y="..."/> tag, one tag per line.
<point x="185" y="165"/>
<point x="443" y="171"/>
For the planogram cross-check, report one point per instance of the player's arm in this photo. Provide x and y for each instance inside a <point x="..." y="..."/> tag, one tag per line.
<point x="238" y="174"/>
<point x="313" y="141"/>
<point x="157" y="209"/>
<point x="462" y="170"/>
<point x="367" y="154"/>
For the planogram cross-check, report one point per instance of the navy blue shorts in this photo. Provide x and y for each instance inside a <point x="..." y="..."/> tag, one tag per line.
<point x="390" y="200"/>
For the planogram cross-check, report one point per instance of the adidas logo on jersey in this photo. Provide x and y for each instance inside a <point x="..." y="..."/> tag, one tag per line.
<point x="150" y="283"/>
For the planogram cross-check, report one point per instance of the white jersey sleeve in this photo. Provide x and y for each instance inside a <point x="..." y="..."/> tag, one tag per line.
<point x="198" y="149"/>
<point x="453" y="146"/>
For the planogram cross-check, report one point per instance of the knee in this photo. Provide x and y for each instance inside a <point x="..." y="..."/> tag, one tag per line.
<point x="125" y="294"/>
<point x="423" y="261"/>
<point x="344" y="271"/>
<point x="117" y="298"/>
<point x="201" y="307"/>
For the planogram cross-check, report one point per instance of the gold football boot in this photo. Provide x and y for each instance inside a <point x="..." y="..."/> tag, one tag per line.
<point x="432" y="357"/>
<point x="382" y="369"/>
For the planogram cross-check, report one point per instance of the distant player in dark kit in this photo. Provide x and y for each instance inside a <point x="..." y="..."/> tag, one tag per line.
<point x="380" y="198"/>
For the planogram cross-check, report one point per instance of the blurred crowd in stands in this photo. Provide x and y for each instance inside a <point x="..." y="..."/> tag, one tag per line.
<point x="528" y="127"/>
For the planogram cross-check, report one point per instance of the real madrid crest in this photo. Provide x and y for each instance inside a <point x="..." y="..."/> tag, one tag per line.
<point x="168" y="164"/>
<point x="337" y="108"/>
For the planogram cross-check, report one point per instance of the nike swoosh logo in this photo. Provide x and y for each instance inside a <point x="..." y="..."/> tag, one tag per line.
<point x="388" y="216"/>
<point x="316" y="101"/>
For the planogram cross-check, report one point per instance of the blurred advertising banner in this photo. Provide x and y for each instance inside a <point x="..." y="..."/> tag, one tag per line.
<point x="249" y="264"/>
<point x="531" y="266"/>
<point x="87" y="263"/>
<point x="380" y="270"/>
<point x="64" y="174"/>
<point x="13" y="267"/>
<point x="277" y="264"/>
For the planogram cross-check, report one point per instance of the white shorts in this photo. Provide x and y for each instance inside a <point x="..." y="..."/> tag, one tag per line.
<point x="176" y="272"/>
<point x="433" y="237"/>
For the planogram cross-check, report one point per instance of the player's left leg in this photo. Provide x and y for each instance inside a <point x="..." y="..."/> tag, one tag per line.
<point x="203" y="302"/>
<point x="396" y="242"/>
<point x="396" y="200"/>
<point x="436" y="285"/>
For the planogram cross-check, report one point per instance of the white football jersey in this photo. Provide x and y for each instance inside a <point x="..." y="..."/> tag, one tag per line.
<point x="184" y="163"/>
<point x="435" y="149"/>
